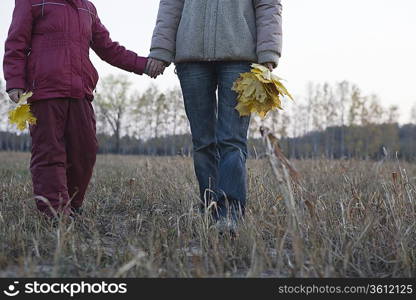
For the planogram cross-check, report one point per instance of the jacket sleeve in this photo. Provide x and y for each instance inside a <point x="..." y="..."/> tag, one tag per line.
<point x="112" y="52"/>
<point x="164" y="35"/>
<point x="269" y="30"/>
<point x="18" y="44"/>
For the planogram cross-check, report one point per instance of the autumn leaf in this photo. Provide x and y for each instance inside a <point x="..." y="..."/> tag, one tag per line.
<point x="259" y="91"/>
<point x="21" y="116"/>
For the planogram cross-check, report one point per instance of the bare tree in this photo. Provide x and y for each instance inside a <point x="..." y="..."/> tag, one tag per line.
<point x="112" y="102"/>
<point x="137" y="119"/>
<point x="159" y="109"/>
<point x="413" y="114"/>
<point x="343" y="89"/>
<point x="393" y="114"/>
<point x="374" y="111"/>
<point x="330" y="114"/>
<point x="3" y="105"/>
<point x="356" y="113"/>
<point x="177" y="121"/>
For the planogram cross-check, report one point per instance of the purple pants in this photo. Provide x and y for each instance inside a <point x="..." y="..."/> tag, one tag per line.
<point x="64" y="148"/>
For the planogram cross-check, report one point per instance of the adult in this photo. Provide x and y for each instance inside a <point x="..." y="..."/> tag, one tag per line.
<point x="212" y="42"/>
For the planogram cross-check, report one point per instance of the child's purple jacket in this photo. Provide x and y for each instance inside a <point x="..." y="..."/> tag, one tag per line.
<point x="47" y="49"/>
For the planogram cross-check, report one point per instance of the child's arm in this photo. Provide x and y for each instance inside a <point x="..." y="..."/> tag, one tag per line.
<point x="113" y="52"/>
<point x="18" y="45"/>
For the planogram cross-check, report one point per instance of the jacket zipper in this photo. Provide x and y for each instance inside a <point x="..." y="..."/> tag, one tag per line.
<point x="80" y="45"/>
<point x="204" y="28"/>
<point x="74" y="6"/>
<point x="211" y="25"/>
<point x="216" y="29"/>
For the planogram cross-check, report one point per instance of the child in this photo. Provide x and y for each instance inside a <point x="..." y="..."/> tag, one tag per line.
<point x="47" y="52"/>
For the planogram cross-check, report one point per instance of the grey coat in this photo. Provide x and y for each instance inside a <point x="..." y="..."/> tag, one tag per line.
<point x="218" y="30"/>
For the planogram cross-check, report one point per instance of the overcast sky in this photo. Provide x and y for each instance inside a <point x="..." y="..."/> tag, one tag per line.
<point x="369" y="42"/>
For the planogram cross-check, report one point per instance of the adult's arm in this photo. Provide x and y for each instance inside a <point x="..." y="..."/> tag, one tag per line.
<point x="112" y="52"/>
<point x="164" y="35"/>
<point x="269" y="30"/>
<point x="17" y="46"/>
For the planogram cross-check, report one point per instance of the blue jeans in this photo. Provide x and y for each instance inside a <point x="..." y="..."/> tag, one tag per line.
<point x="219" y="134"/>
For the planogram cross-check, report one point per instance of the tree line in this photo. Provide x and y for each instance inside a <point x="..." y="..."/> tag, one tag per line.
<point x="331" y="120"/>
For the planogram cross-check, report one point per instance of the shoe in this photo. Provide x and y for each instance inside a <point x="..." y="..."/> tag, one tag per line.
<point x="226" y="225"/>
<point x="55" y="221"/>
<point x="77" y="211"/>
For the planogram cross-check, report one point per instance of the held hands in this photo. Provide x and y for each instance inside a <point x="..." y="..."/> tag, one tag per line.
<point x="155" y="67"/>
<point x="15" y="94"/>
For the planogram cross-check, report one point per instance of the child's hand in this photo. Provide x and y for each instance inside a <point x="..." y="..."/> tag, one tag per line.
<point x="15" y="94"/>
<point x="154" y="67"/>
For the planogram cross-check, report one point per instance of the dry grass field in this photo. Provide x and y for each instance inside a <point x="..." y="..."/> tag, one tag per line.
<point x="350" y="219"/>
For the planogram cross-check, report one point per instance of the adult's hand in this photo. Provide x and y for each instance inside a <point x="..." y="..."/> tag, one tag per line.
<point x="15" y="94"/>
<point x="269" y="65"/>
<point x="155" y="67"/>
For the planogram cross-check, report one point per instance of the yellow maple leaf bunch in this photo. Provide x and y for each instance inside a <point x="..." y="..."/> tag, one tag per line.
<point x="21" y="116"/>
<point x="259" y="91"/>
